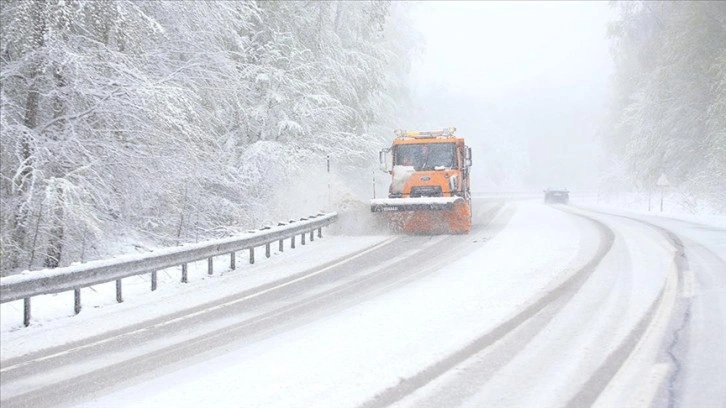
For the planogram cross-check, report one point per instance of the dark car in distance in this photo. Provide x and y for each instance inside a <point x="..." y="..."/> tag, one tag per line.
<point x="556" y="196"/>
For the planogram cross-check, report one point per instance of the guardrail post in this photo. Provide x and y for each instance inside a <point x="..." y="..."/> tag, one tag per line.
<point x="26" y="312"/>
<point x="232" y="261"/>
<point x="117" y="271"/>
<point x="77" y="300"/>
<point x="119" y="294"/>
<point x="320" y="232"/>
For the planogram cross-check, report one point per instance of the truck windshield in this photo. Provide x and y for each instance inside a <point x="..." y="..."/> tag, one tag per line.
<point x="425" y="156"/>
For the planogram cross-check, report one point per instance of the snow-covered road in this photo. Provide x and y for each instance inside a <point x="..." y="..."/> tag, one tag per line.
<point x="539" y="306"/>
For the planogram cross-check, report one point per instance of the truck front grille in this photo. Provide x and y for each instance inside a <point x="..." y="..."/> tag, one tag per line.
<point x="426" y="191"/>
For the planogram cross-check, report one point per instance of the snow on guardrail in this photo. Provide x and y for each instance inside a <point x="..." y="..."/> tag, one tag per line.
<point x="74" y="277"/>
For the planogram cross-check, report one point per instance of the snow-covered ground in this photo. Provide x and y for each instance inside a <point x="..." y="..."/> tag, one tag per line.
<point x="54" y="323"/>
<point x="358" y="351"/>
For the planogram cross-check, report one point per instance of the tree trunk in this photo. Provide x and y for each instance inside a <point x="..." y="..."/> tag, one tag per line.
<point x="21" y="216"/>
<point x="55" y="242"/>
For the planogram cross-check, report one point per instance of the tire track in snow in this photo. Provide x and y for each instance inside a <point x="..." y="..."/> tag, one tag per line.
<point x="565" y="290"/>
<point x="288" y="315"/>
<point x="599" y="380"/>
<point x="19" y="362"/>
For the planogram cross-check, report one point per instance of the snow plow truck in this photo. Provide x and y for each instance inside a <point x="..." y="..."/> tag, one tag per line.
<point x="430" y="190"/>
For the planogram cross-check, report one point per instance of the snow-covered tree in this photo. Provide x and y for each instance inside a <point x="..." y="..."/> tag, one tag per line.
<point x="178" y="120"/>
<point x="668" y="112"/>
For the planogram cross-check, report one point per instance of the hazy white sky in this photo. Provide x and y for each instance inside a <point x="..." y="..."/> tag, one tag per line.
<point x="492" y="46"/>
<point x="527" y="79"/>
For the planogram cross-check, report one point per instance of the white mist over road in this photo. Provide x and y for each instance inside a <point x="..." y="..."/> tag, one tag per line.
<point x="526" y="83"/>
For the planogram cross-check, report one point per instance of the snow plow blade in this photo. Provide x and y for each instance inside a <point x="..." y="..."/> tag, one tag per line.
<point x="425" y="215"/>
<point x="414" y="204"/>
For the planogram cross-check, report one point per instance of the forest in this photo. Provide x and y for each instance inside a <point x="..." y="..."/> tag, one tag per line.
<point x="668" y="111"/>
<point x="180" y="121"/>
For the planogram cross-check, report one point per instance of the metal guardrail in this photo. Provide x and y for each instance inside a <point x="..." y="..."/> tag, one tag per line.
<point x="75" y="277"/>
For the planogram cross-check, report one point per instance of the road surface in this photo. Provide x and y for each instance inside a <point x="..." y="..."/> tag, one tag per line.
<point x="538" y="306"/>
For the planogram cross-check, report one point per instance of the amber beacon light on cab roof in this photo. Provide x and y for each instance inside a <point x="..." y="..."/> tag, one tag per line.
<point x="430" y="189"/>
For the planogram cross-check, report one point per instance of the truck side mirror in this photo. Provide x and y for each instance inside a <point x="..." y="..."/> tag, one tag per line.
<point x="383" y="159"/>
<point x="467" y="158"/>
